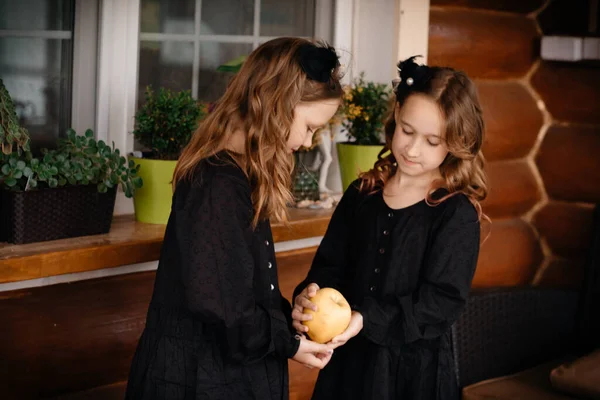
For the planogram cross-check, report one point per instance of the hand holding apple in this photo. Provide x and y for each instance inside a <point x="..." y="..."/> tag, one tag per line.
<point x="301" y="302"/>
<point x="331" y="317"/>
<point x="313" y="355"/>
<point x="354" y="327"/>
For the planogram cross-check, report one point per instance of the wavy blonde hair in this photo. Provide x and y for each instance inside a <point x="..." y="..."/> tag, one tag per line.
<point x="260" y="100"/>
<point x="463" y="168"/>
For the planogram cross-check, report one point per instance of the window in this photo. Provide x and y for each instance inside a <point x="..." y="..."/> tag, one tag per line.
<point x="41" y="67"/>
<point x="182" y="42"/>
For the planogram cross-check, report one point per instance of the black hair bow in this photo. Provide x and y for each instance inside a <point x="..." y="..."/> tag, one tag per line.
<point x="318" y="62"/>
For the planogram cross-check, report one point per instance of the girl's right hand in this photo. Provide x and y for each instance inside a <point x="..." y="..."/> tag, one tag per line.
<point x="312" y="354"/>
<point x="301" y="302"/>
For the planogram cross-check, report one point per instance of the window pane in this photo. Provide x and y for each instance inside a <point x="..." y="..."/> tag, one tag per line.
<point x="167" y="16"/>
<point x="287" y="18"/>
<point x="37" y="74"/>
<point x="165" y="64"/>
<point x="212" y="84"/>
<point x="227" y="17"/>
<point x="37" y="15"/>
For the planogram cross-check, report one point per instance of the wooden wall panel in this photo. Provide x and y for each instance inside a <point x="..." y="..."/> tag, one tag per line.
<point x="516" y="6"/>
<point x="512" y="119"/>
<point x="571" y="92"/>
<point x="569" y="164"/>
<point x="513" y="189"/>
<point x="484" y="45"/>
<point x="565" y="17"/>
<point x="71" y="337"/>
<point x="509" y="257"/>
<point x="566" y="227"/>
<point x="563" y="273"/>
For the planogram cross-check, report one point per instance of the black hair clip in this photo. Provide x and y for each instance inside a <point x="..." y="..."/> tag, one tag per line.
<point x="410" y="75"/>
<point x="318" y="62"/>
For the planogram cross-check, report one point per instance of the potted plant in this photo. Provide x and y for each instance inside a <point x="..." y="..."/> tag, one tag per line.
<point x="164" y="125"/>
<point x="365" y="107"/>
<point x="12" y="135"/>
<point x="65" y="192"/>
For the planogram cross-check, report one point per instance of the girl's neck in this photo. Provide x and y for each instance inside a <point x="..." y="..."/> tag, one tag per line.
<point x="403" y="182"/>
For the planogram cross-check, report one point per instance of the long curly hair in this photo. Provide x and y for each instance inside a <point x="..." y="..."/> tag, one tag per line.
<point x="463" y="168"/>
<point x="260" y="100"/>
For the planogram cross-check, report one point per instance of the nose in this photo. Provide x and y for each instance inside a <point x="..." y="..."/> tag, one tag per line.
<point x="308" y="142"/>
<point x="412" y="148"/>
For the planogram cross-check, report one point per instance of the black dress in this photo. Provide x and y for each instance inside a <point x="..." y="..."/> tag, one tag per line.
<point x="408" y="272"/>
<point x="217" y="326"/>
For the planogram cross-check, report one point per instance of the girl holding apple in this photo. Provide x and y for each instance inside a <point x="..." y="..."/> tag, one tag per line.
<point x="217" y="326"/>
<point x="403" y="244"/>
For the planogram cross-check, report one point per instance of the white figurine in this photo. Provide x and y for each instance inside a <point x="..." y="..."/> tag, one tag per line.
<point x="323" y="157"/>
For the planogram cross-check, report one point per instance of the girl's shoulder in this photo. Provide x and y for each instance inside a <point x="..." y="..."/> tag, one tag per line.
<point x="456" y="207"/>
<point x="217" y="175"/>
<point x="220" y="166"/>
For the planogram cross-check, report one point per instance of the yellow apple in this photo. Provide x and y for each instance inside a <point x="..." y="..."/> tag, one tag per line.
<point x="331" y="318"/>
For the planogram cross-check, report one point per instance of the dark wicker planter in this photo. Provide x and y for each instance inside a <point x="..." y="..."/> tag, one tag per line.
<point x="50" y="214"/>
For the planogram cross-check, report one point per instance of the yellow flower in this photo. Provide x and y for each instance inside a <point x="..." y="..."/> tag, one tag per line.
<point x="366" y="117"/>
<point x="359" y="90"/>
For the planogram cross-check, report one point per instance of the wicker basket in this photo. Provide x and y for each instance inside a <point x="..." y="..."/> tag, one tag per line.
<point x="50" y="214"/>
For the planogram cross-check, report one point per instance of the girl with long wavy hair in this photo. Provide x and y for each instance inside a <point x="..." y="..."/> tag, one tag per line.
<point x="403" y="244"/>
<point x="217" y="326"/>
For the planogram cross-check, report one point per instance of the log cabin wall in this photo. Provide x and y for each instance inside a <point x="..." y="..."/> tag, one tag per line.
<point x="543" y="133"/>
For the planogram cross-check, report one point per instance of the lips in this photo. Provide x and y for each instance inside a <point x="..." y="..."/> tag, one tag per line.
<point x="409" y="162"/>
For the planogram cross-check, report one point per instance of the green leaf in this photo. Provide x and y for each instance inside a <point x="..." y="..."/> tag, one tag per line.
<point x="102" y="188"/>
<point x="35" y="162"/>
<point x="6" y="169"/>
<point x="90" y="150"/>
<point x="32" y="183"/>
<point x="62" y="181"/>
<point x="89" y="133"/>
<point x="10" y="182"/>
<point x="27" y="172"/>
<point x="52" y="182"/>
<point x="21" y="165"/>
<point x="18" y="174"/>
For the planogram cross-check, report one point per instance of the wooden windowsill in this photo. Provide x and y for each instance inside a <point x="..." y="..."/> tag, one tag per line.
<point x="128" y="242"/>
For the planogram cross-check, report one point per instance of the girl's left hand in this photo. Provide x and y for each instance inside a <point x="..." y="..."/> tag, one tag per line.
<point x="355" y="326"/>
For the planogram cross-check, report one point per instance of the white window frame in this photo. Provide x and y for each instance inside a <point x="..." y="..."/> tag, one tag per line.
<point x="411" y="25"/>
<point x="118" y="54"/>
<point x="83" y="77"/>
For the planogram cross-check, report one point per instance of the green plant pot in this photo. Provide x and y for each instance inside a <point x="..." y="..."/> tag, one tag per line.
<point x="152" y="201"/>
<point x="354" y="159"/>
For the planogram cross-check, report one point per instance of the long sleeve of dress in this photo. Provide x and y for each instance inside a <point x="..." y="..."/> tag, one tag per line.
<point x="444" y="285"/>
<point x="214" y="232"/>
<point x="327" y="267"/>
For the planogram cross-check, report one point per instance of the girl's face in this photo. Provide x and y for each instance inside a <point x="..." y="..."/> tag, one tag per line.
<point x="309" y="117"/>
<point x="418" y="144"/>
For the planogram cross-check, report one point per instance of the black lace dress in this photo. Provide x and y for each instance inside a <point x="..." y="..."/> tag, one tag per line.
<point x="408" y="272"/>
<point x="217" y="326"/>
